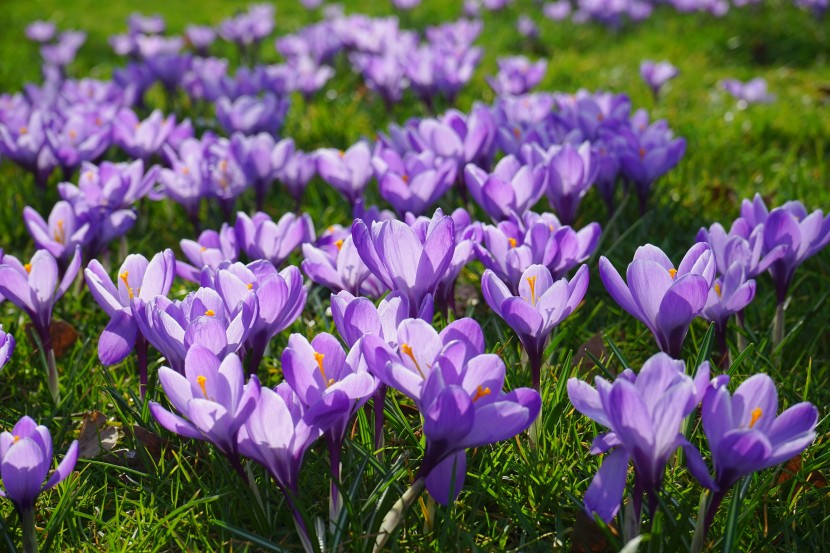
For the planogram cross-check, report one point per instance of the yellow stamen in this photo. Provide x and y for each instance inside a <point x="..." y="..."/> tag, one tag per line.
<point x="330" y="228"/>
<point x="60" y="233"/>
<point x="672" y="273"/>
<point x="250" y="286"/>
<point x="73" y="134"/>
<point x="223" y="165"/>
<point x="531" y="281"/>
<point x="718" y="290"/>
<point x="341" y="153"/>
<point x="210" y="313"/>
<point x="339" y="245"/>
<point x="202" y="380"/>
<point x="407" y="350"/>
<point x="89" y="175"/>
<point x="16" y="439"/>
<point x="516" y="132"/>
<point x="28" y="267"/>
<point x="756" y="414"/>
<point x="185" y="171"/>
<point x="405" y="178"/>
<point x="512" y="242"/>
<point x="23" y="130"/>
<point x="203" y="249"/>
<point x="480" y="393"/>
<point x="123" y="276"/>
<point x="319" y="358"/>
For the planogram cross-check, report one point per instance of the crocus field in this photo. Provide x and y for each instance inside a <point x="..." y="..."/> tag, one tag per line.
<point x="413" y="275"/>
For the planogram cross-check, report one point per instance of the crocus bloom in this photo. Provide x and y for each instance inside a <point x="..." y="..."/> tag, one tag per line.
<point x="213" y="397"/>
<point x="412" y="182"/>
<point x="405" y="261"/>
<point x="200" y="37"/>
<point x="517" y="75"/>
<point x="280" y="297"/>
<point x="40" y="31"/>
<point x="173" y="327"/>
<point x="746" y="434"/>
<point x="251" y="114"/>
<point x="458" y="390"/>
<point x="729" y="294"/>
<point x="262" y="238"/>
<point x="7" y="344"/>
<point x="344" y="270"/>
<point x="643" y="413"/>
<point x="298" y="170"/>
<point x="656" y="74"/>
<point x="141" y="139"/>
<point x="317" y="369"/>
<point x="347" y="172"/>
<point x="733" y="247"/>
<point x="62" y="234"/>
<point x="647" y="156"/>
<point x="35" y="289"/>
<point x="569" y="177"/>
<point x="540" y="306"/>
<point x="209" y="250"/>
<point x="109" y="187"/>
<point x="511" y="188"/>
<point x="751" y="92"/>
<point x="280" y="431"/>
<point x="663" y="298"/>
<point x="512" y="246"/>
<point x="137" y="278"/>
<point x="25" y="459"/>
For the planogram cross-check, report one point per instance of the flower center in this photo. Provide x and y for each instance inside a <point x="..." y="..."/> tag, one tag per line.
<point x="642" y="153"/>
<point x="407" y="350"/>
<point x="210" y="313"/>
<point x="28" y="267"/>
<point x="16" y="439"/>
<point x="718" y="290"/>
<point x="512" y="242"/>
<point x="756" y="414"/>
<point x="23" y="130"/>
<point x="319" y="358"/>
<point x="123" y="276"/>
<point x="60" y="232"/>
<point x="341" y="153"/>
<point x="405" y="178"/>
<point x="531" y="281"/>
<point x="672" y="273"/>
<point x="480" y="393"/>
<point x="202" y="380"/>
<point x="516" y="132"/>
<point x="339" y="244"/>
<point x="250" y="286"/>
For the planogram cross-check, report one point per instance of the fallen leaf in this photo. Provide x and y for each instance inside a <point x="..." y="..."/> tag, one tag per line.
<point x="793" y="467"/>
<point x="596" y="347"/>
<point x="96" y="436"/>
<point x="588" y="538"/>
<point x="63" y="334"/>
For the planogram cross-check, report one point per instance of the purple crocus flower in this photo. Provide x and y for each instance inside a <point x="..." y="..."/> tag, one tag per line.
<point x="656" y="74"/>
<point x="347" y="172"/>
<point x="458" y="389"/>
<point x="317" y="369"/>
<point x="729" y="294"/>
<point x="753" y="91"/>
<point x="26" y="145"/>
<point x="137" y="278"/>
<point x="62" y="52"/>
<point x="570" y="175"/>
<point x="76" y="139"/>
<point x="295" y="175"/>
<point x="412" y="182"/>
<point x="251" y="114"/>
<point x="512" y="246"/>
<point x="141" y="139"/>
<point x="7" y="344"/>
<point x="663" y="298"/>
<point x="40" y="31"/>
<point x="209" y="250"/>
<point x="280" y="298"/>
<point x="647" y="156"/>
<point x="746" y="434"/>
<point x="145" y="24"/>
<point x="109" y="186"/>
<point x="405" y="261"/>
<point x="342" y="270"/>
<point x="63" y="233"/>
<point x="186" y="182"/>
<point x="280" y="431"/>
<point x="262" y="238"/>
<point x="540" y="306"/>
<point x="200" y="37"/>
<point x="163" y="58"/>
<point x="213" y="397"/>
<point x="733" y="247"/>
<point x="557" y="11"/>
<point x="173" y="327"/>
<point x="25" y="458"/>
<point x="260" y="158"/>
<point x="643" y="413"/>
<point x="35" y="289"/>
<point x="527" y="27"/>
<point x="511" y="189"/>
<point x="517" y="75"/>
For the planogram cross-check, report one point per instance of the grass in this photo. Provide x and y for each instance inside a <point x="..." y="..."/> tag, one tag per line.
<point x="159" y="493"/>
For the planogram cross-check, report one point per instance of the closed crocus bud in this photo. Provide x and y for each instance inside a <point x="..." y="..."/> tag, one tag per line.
<point x="656" y="74"/>
<point x="348" y="171"/>
<point x="7" y="344"/>
<point x="512" y="187"/>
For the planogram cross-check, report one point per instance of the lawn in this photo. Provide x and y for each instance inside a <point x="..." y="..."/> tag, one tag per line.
<point x="155" y="491"/>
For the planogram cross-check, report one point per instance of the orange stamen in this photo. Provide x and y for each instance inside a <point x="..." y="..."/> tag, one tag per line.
<point x="756" y="414"/>
<point x="531" y="281"/>
<point x="339" y="245"/>
<point x="319" y="358"/>
<point x="512" y="242"/>
<point x="672" y="273"/>
<point x="202" y="380"/>
<point x="123" y="276"/>
<point x="718" y="290"/>
<point x="480" y="393"/>
<point x="407" y="350"/>
<point x="60" y="233"/>
<point x="210" y="313"/>
<point x="28" y="267"/>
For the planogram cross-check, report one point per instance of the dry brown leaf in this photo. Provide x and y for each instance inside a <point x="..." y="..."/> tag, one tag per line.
<point x="96" y="436"/>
